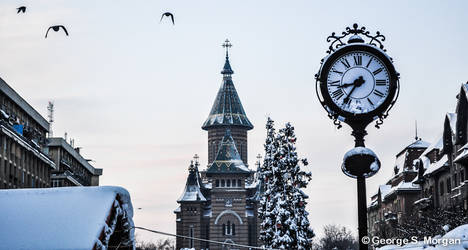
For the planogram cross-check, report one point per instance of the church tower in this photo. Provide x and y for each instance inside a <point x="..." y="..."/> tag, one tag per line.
<point x="227" y="112"/>
<point x="218" y="207"/>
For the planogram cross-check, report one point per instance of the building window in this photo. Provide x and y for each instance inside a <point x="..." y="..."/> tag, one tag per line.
<point x="233" y="183"/>
<point x="222" y="183"/>
<point x="191" y="237"/>
<point x="228" y="231"/>
<point x="228" y="183"/>
<point x="239" y="183"/>
<point x="455" y="179"/>
<point x="217" y="183"/>
<point x="462" y="176"/>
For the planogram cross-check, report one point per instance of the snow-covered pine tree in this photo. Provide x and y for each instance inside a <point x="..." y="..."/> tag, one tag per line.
<point x="284" y="222"/>
<point x="265" y="177"/>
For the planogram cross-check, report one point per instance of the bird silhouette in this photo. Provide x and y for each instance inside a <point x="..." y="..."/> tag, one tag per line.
<point x="56" y="28"/>
<point x="168" y="14"/>
<point x="21" y="9"/>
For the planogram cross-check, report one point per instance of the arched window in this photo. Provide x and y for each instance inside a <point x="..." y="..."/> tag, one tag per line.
<point x="233" y="229"/>
<point x="233" y="183"/>
<point x="224" y="229"/>
<point x="217" y="183"/>
<point x="222" y="183"/>
<point x="228" y="231"/>
<point x="228" y="183"/>
<point x="239" y="183"/>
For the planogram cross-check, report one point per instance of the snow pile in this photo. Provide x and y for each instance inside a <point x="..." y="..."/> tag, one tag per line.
<point x="64" y="218"/>
<point x="457" y="239"/>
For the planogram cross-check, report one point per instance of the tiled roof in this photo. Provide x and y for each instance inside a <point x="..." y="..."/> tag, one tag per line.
<point x="227" y="109"/>
<point x="227" y="159"/>
<point x="192" y="190"/>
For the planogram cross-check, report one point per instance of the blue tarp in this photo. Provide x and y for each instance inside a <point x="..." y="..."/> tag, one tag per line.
<point x="18" y="128"/>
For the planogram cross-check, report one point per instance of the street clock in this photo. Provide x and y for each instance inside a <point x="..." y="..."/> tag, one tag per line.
<point x="357" y="82"/>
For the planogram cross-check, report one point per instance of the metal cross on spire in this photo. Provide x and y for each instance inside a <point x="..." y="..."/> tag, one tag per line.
<point x="195" y="158"/>
<point x="227" y="45"/>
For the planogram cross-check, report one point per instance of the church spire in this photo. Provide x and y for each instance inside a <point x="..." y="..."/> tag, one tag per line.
<point x="227" y="109"/>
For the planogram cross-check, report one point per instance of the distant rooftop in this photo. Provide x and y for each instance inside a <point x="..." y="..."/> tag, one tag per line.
<point x="60" y="142"/>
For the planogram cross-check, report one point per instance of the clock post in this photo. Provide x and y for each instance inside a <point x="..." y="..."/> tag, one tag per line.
<point x="358" y="84"/>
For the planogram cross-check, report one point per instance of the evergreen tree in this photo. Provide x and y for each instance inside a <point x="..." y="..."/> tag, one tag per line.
<point x="284" y="222"/>
<point x="265" y="177"/>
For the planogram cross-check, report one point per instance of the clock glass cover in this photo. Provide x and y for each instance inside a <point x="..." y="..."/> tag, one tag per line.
<point x="358" y="82"/>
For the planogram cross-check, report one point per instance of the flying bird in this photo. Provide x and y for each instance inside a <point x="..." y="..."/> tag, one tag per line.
<point x="167" y="14"/>
<point x="21" y="9"/>
<point x="56" y="28"/>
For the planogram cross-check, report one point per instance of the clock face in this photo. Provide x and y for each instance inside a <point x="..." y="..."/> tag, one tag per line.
<point x="358" y="82"/>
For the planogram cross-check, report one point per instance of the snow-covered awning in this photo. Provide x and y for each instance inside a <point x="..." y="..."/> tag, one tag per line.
<point x="66" y="218"/>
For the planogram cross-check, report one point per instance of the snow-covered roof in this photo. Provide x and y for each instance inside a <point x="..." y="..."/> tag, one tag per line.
<point x="384" y="190"/>
<point x="228" y="159"/>
<point x="403" y="186"/>
<point x="426" y="162"/>
<point x="192" y="190"/>
<point x="64" y="218"/>
<point x="437" y="144"/>
<point x="452" y="117"/>
<point x="436" y="165"/>
<point x="416" y="144"/>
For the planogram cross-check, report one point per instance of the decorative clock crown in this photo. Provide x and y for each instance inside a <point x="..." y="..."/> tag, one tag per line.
<point x="355" y="32"/>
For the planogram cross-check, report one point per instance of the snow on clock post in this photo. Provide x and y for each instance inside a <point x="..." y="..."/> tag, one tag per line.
<point x="358" y="84"/>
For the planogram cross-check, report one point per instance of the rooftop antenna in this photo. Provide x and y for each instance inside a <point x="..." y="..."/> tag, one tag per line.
<point x="65" y="136"/>
<point x="416" y="130"/>
<point x="50" y="115"/>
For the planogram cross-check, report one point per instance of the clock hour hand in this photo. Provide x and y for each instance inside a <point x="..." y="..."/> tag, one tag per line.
<point x="346" y="85"/>
<point x="357" y="83"/>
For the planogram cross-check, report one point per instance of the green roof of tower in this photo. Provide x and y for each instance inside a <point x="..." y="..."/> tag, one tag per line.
<point x="227" y="109"/>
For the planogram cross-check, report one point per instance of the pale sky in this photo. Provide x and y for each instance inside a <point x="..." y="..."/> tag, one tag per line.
<point x="134" y="92"/>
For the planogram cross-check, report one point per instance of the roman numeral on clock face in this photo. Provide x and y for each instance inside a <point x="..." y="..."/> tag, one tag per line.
<point x="371" y="103"/>
<point x="378" y="93"/>
<point x="380" y="82"/>
<point x="337" y="93"/>
<point x="368" y="63"/>
<point x="377" y="71"/>
<point x="358" y="60"/>
<point x="346" y="63"/>
<point x="334" y="83"/>
<point x="338" y="72"/>
<point x="347" y="101"/>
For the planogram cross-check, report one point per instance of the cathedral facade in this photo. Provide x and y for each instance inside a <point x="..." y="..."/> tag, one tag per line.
<point x="220" y="203"/>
